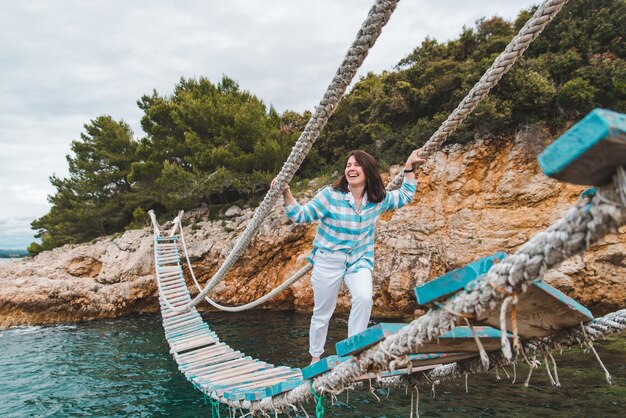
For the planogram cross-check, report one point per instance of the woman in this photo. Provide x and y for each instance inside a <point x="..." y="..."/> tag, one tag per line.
<point x="343" y="249"/>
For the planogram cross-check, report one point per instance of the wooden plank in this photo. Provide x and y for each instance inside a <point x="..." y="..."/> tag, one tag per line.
<point x="260" y="389"/>
<point x="460" y="339"/>
<point x="590" y="151"/>
<point x="542" y="311"/>
<point x="197" y="343"/>
<point x="255" y="377"/>
<point x="214" y="356"/>
<point x="399" y="372"/>
<point x="429" y="359"/>
<point x="325" y="364"/>
<point x="220" y="374"/>
<point x="223" y="366"/>
<point x="455" y="280"/>
<point x="218" y="355"/>
<point x="216" y="363"/>
<point x="197" y="353"/>
<point x="366" y="339"/>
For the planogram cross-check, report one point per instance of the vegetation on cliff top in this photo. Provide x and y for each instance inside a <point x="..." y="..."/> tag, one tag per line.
<point x="201" y="139"/>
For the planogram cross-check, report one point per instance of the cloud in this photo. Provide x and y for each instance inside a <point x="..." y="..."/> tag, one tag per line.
<point x="66" y="62"/>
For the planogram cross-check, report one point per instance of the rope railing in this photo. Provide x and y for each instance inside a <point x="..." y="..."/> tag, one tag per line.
<point x="378" y="16"/>
<point x="599" y="328"/>
<point x="294" y="278"/>
<point x="518" y="45"/>
<point x="582" y="226"/>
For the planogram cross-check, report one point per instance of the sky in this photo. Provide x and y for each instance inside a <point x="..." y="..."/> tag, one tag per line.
<point x="65" y="62"/>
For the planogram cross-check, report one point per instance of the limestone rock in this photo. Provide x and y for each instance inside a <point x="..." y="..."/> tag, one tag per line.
<point x="472" y="200"/>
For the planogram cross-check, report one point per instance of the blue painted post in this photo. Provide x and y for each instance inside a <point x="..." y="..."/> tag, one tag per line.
<point x="590" y="151"/>
<point x="455" y="280"/>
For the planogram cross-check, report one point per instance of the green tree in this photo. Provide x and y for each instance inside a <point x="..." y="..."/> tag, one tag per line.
<point x="91" y="201"/>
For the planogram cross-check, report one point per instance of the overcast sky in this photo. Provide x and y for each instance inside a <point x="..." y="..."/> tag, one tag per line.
<point x="66" y="62"/>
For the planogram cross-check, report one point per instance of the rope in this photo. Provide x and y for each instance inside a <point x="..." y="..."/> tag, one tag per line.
<point x="572" y="234"/>
<point x="366" y="37"/>
<point x="319" y="402"/>
<point x="502" y="64"/>
<point x="378" y="16"/>
<point x="297" y="276"/>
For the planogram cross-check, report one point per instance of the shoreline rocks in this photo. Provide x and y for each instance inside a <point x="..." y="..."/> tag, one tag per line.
<point x="472" y="200"/>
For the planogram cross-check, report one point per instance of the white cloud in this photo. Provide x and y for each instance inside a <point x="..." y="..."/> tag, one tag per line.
<point x="66" y="62"/>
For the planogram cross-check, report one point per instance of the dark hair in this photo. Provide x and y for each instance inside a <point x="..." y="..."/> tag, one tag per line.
<point x="374" y="183"/>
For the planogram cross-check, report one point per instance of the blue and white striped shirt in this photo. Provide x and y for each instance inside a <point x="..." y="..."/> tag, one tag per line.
<point x="342" y="227"/>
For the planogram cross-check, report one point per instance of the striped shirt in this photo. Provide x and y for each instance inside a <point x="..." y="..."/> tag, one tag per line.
<point x="342" y="227"/>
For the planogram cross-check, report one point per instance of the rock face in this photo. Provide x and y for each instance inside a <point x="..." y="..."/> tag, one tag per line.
<point x="472" y="201"/>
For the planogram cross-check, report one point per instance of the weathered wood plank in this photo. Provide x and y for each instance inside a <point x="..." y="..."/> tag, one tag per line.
<point x="325" y="364"/>
<point x="202" y="372"/>
<point x="455" y="280"/>
<point x="366" y="339"/>
<point x="590" y="151"/>
<point x="542" y="311"/>
<point x="458" y="340"/>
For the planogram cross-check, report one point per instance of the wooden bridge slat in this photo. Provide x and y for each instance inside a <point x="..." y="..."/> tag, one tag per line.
<point x="200" y="342"/>
<point x="367" y="338"/>
<point x="325" y="364"/>
<point x="223" y="365"/>
<point x="457" y="340"/>
<point x="216" y="363"/>
<point x="199" y="353"/>
<point x="260" y="377"/>
<point x="245" y="367"/>
<point x="590" y="151"/>
<point x="454" y="280"/>
<point x="223" y="354"/>
<point x="258" y="390"/>
<point x="543" y="310"/>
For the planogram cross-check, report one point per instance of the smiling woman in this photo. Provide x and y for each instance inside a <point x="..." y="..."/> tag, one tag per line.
<point x="343" y="249"/>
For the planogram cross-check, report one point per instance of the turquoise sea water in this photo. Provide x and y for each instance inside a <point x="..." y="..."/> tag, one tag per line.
<point x="119" y="368"/>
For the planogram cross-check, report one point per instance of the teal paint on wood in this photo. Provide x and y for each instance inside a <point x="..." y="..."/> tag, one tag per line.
<point x="590" y="151"/>
<point x="367" y="338"/>
<point x="284" y="386"/>
<point x="322" y="366"/>
<point x="466" y="332"/>
<point x="455" y="280"/>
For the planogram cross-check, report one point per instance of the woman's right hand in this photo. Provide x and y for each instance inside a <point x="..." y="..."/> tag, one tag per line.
<point x="285" y="187"/>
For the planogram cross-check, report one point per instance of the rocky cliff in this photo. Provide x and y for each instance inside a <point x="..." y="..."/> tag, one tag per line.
<point x="472" y="200"/>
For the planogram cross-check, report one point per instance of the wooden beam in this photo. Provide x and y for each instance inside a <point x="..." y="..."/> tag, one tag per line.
<point x="455" y="280"/>
<point x="590" y="151"/>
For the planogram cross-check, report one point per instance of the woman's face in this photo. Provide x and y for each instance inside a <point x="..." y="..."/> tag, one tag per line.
<point x="354" y="173"/>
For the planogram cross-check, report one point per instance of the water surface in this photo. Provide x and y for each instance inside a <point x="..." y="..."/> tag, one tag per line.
<point x="119" y="368"/>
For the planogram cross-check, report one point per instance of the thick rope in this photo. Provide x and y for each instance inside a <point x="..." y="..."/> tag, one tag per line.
<point x="580" y="227"/>
<point x="599" y="328"/>
<point x="297" y="276"/>
<point x="368" y="34"/>
<point x="500" y="66"/>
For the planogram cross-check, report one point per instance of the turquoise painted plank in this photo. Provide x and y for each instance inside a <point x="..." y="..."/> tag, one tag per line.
<point x="283" y="386"/>
<point x="590" y="151"/>
<point x="367" y="338"/>
<point x="466" y="332"/>
<point x="455" y="280"/>
<point x="427" y="359"/>
<point x="322" y="366"/>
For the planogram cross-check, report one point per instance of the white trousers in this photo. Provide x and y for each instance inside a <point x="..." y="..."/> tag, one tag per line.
<point x="329" y="271"/>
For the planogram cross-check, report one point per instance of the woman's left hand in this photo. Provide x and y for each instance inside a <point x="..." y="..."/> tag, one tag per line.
<point x="414" y="158"/>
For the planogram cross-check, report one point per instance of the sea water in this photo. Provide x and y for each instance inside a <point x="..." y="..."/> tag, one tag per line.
<point x="122" y="367"/>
